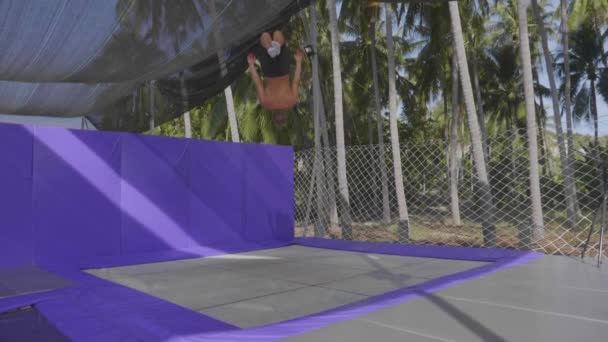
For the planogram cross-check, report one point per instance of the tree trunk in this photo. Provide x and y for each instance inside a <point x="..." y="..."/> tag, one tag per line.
<point x="567" y="101"/>
<point x="185" y="107"/>
<point x="595" y="116"/>
<point x="453" y="160"/>
<point x="566" y="162"/>
<point x="446" y="117"/>
<point x="339" y="114"/>
<point x="234" y="128"/>
<point x="317" y="103"/>
<point x="596" y="140"/>
<point x="386" y="210"/>
<point x="513" y="199"/>
<point x="321" y="222"/>
<point x="329" y="164"/>
<point x="538" y="226"/>
<point x="328" y="167"/>
<point x="152" y="107"/>
<point x="488" y="213"/>
<point x="392" y="96"/>
<point x="375" y="194"/>
<point x="541" y="135"/>
<point x="480" y="113"/>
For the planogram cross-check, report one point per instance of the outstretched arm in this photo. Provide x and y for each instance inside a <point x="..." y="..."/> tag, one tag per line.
<point x="256" y="77"/>
<point x="295" y="84"/>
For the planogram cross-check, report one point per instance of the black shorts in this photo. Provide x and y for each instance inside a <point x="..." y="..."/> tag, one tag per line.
<point x="274" y="67"/>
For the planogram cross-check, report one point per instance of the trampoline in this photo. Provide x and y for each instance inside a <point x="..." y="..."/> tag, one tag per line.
<point x="268" y="286"/>
<point x="109" y="236"/>
<point x="122" y="242"/>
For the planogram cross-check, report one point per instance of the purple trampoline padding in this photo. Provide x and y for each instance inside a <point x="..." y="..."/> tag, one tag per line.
<point x="16" y="235"/>
<point x="76" y="193"/>
<point x="98" y="310"/>
<point x="75" y="200"/>
<point x="154" y="194"/>
<point x="84" y="195"/>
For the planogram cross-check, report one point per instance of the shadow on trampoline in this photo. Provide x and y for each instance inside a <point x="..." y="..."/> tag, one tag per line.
<point x="462" y="317"/>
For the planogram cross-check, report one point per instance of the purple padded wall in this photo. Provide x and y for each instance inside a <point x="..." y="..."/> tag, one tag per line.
<point x="16" y="238"/>
<point x="76" y="192"/>
<point x="217" y="188"/>
<point x="268" y="186"/>
<point x="73" y="195"/>
<point x="155" y="175"/>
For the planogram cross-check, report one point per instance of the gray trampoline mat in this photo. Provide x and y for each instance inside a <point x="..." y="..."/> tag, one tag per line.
<point x="269" y="286"/>
<point x="551" y="299"/>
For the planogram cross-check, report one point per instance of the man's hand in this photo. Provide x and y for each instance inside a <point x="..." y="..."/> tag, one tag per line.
<point x="251" y="59"/>
<point x="298" y="55"/>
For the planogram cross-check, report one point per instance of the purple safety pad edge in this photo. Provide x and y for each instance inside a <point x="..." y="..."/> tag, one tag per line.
<point x="102" y="310"/>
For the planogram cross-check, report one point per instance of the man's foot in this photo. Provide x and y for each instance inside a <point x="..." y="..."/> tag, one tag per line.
<point x="274" y="49"/>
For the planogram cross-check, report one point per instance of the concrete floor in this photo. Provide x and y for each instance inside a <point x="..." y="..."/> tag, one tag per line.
<point x="263" y="287"/>
<point x="552" y="299"/>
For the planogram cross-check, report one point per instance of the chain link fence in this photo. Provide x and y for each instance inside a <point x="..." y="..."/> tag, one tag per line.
<point x="440" y="212"/>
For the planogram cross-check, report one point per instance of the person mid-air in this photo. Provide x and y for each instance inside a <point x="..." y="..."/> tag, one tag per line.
<point x="277" y="94"/>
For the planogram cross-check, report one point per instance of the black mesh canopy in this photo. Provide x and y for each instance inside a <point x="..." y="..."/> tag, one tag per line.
<point x="117" y="61"/>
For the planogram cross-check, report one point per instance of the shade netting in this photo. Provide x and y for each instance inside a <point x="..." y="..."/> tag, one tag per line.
<point x="118" y="62"/>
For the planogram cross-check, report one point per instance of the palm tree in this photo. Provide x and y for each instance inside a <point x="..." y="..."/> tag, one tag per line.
<point x="586" y="65"/>
<point x="339" y="114"/>
<point x="488" y="214"/>
<point x="432" y="66"/>
<point x="524" y="49"/>
<point x="593" y="11"/>
<point x="567" y="84"/>
<point x="386" y="213"/>
<point x="320" y="133"/>
<point x="565" y="155"/>
<point x="453" y="153"/>
<point x="396" y="149"/>
<point x="603" y="84"/>
<point x="476" y="33"/>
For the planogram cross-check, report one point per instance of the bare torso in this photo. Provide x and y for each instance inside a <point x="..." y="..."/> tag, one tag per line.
<point x="278" y="94"/>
